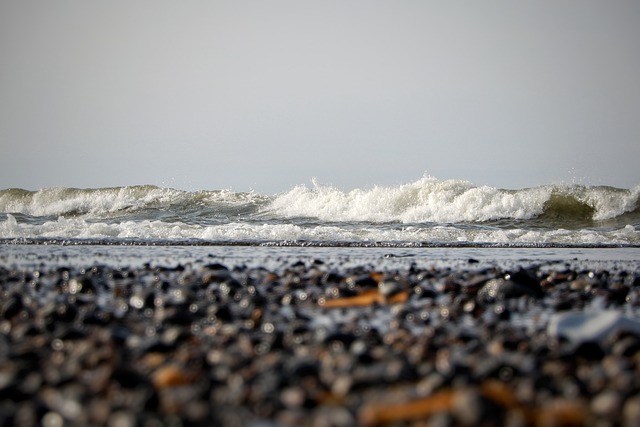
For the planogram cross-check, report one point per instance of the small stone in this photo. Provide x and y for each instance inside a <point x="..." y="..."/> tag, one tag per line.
<point x="81" y="284"/>
<point x="607" y="404"/>
<point x="26" y="415"/>
<point x="496" y="289"/>
<point x="469" y="407"/>
<point x="631" y="412"/>
<point x="332" y="416"/>
<point x="292" y="397"/>
<point x="52" y="419"/>
<point x="591" y="326"/>
<point x="170" y="376"/>
<point x="122" y="419"/>
<point x="562" y="412"/>
<point x="8" y="373"/>
<point x="12" y="307"/>
<point x="626" y="346"/>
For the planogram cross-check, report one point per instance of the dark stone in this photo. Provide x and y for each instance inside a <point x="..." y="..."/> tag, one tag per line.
<point x="216" y="266"/>
<point x="591" y="351"/>
<point x="365" y="282"/>
<point x="12" y="307"/>
<point x="224" y="314"/>
<point x="73" y="333"/>
<point x="128" y="378"/>
<point x="332" y="278"/>
<point x="507" y="288"/>
<point x="626" y="346"/>
<point x="65" y="312"/>
<point x="82" y="284"/>
<point x="303" y="368"/>
<point x="179" y="316"/>
<point x="345" y="338"/>
<point x="529" y="284"/>
<point x="159" y="347"/>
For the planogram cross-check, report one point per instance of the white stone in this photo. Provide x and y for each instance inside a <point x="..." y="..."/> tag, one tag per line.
<point x="590" y="326"/>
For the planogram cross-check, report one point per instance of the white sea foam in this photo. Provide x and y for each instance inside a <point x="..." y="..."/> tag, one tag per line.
<point x="449" y="201"/>
<point x="239" y="232"/>
<point x="426" y="200"/>
<point x="427" y="210"/>
<point x="102" y="201"/>
<point x="57" y="201"/>
<point x="608" y="202"/>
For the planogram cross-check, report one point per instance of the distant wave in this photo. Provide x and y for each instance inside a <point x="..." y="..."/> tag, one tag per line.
<point x="106" y="201"/>
<point x="427" y="210"/>
<point x="425" y="200"/>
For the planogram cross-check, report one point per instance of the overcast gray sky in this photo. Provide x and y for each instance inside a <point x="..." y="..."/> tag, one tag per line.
<point x="265" y="95"/>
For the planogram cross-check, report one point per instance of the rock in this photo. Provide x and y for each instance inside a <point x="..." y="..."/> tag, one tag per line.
<point x="469" y="407"/>
<point x="122" y="419"/>
<point x="631" y="412"/>
<point x="12" y="307"/>
<point x="508" y="288"/>
<point x="591" y="326"/>
<point x="82" y="284"/>
<point x="607" y="404"/>
<point x="171" y="376"/>
<point x="213" y="345"/>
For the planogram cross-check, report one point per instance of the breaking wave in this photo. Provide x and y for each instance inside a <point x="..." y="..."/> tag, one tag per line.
<point x="119" y="200"/>
<point x="427" y="210"/>
<point x="455" y="201"/>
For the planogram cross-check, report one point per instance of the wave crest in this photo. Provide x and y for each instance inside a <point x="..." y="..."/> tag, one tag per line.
<point x="427" y="200"/>
<point x="454" y="201"/>
<point x="52" y="202"/>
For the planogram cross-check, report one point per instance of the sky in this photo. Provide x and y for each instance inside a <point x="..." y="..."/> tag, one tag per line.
<point x="267" y="95"/>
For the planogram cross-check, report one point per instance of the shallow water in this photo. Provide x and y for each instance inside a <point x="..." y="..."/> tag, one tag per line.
<point x="276" y="258"/>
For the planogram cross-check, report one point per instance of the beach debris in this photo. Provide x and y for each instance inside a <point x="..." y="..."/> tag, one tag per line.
<point x="366" y="298"/>
<point x="381" y="414"/>
<point x="486" y="404"/>
<point x="595" y="326"/>
<point x="171" y="376"/>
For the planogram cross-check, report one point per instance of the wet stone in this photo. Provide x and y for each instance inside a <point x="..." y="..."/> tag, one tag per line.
<point x="607" y="404"/>
<point x="505" y="288"/>
<point x="12" y="306"/>
<point x="205" y="344"/>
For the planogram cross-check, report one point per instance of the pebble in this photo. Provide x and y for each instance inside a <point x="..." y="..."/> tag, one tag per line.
<point x="318" y="344"/>
<point x="607" y="404"/>
<point x="631" y="412"/>
<point x="591" y="326"/>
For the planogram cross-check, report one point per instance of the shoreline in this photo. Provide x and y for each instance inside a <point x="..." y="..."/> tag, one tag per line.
<point x="62" y="241"/>
<point x="270" y="337"/>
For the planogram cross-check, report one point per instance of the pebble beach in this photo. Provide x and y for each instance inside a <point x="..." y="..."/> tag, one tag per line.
<point x="98" y="336"/>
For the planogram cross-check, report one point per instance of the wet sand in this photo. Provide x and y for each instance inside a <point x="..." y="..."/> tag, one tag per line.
<point x="183" y="336"/>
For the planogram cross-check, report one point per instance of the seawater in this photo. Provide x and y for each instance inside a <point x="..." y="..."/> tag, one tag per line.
<point x="278" y="259"/>
<point x="427" y="212"/>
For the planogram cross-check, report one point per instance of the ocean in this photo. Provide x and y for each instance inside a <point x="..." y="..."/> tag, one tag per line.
<point x="428" y="212"/>
<point x="143" y="305"/>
